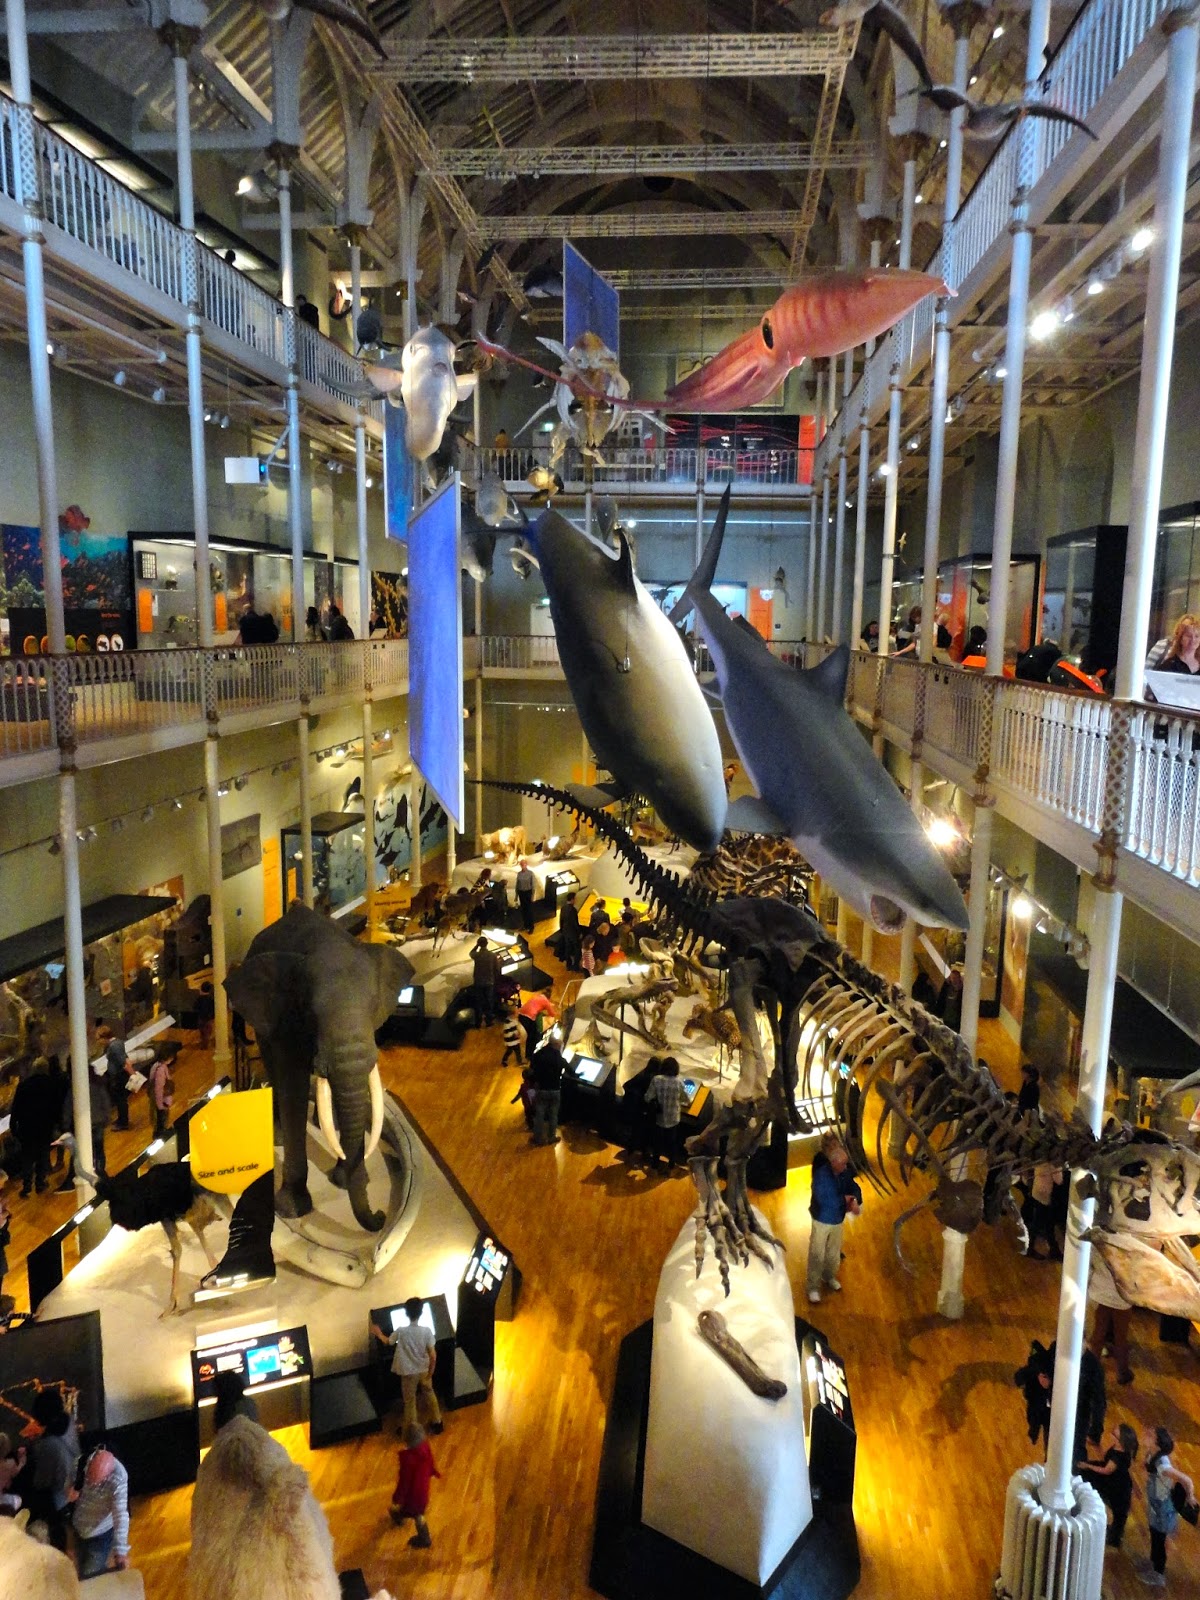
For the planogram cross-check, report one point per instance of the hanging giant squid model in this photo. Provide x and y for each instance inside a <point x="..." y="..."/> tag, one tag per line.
<point x="813" y="1003"/>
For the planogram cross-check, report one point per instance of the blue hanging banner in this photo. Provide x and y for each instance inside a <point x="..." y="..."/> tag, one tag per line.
<point x="435" y="661"/>
<point x="398" y="474"/>
<point x="590" y="303"/>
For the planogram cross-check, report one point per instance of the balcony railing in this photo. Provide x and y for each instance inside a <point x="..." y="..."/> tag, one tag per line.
<point x="170" y="695"/>
<point x="685" y="466"/>
<point x="1050" y="748"/>
<point x="1101" y="41"/>
<point x="96" y="210"/>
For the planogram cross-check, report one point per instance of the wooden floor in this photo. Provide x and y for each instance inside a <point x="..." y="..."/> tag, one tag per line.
<point x="941" y="1426"/>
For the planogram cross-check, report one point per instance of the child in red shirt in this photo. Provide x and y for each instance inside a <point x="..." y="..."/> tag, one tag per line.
<point x="411" y="1495"/>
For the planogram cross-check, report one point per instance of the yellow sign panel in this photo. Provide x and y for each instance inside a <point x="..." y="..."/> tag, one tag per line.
<point x="232" y="1141"/>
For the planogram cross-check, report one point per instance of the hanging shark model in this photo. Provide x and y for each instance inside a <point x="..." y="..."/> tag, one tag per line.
<point x="818" y="782"/>
<point x="633" y="685"/>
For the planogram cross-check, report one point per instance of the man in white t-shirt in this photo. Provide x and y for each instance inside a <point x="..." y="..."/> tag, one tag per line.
<point x="414" y="1363"/>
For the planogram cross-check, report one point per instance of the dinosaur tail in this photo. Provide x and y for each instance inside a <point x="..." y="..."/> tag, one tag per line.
<point x="702" y="579"/>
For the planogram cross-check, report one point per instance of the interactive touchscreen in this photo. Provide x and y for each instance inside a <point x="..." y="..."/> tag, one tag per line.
<point x="404" y="998"/>
<point x="400" y="1318"/>
<point x="259" y="1360"/>
<point x="588" y="1068"/>
<point x="488" y="1264"/>
<point x="691" y="1087"/>
<point x="262" y="1365"/>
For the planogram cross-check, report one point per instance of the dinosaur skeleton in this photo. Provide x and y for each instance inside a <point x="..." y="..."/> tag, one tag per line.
<point x="940" y="1110"/>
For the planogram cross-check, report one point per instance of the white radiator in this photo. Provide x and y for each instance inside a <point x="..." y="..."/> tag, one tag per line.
<point x="1051" y="1555"/>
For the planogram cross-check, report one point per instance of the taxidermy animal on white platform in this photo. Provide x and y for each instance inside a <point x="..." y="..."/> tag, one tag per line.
<point x="819" y="783"/>
<point x="630" y="678"/>
<point x="167" y="1194"/>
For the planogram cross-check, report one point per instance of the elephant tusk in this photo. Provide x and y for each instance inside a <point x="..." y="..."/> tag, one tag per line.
<point x="325" y="1118"/>
<point x="376" y="1083"/>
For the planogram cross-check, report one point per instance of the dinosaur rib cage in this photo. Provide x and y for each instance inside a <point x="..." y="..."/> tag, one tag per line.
<point x="848" y="1018"/>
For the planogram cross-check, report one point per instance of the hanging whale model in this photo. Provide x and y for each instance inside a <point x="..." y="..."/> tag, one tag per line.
<point x="633" y="685"/>
<point x="817" y="780"/>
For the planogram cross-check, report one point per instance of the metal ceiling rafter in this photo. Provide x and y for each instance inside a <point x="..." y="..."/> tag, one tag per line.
<point x="666" y="278"/>
<point x="663" y="160"/>
<point x="413" y="139"/>
<point x="515" y="227"/>
<point x="822" y="143"/>
<point x="606" y="57"/>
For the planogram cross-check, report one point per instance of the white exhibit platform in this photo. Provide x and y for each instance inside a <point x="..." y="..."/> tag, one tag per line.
<point x="444" y="972"/>
<point x="725" y="1470"/>
<point x="612" y="878"/>
<point x="579" y="861"/>
<point x="127" y="1278"/>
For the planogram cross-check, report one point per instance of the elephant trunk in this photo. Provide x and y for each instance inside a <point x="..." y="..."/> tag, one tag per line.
<point x="354" y="1096"/>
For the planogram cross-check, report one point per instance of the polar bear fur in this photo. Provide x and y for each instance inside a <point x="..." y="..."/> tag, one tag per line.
<point x="32" y="1570"/>
<point x="257" y="1530"/>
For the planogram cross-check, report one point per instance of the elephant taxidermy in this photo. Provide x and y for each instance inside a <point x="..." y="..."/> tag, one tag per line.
<point x="315" y="996"/>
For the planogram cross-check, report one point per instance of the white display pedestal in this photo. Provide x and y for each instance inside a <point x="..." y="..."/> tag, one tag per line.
<point x="725" y="1471"/>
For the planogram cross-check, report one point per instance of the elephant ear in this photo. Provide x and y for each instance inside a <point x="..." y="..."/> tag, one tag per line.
<point x="270" y="990"/>
<point x="393" y="971"/>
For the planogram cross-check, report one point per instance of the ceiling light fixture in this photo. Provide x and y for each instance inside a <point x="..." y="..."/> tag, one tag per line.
<point x="1142" y="240"/>
<point x="119" y="377"/>
<point x="998" y="31"/>
<point x="1043" y="325"/>
<point x="245" y="183"/>
<point x="1095" y="286"/>
<point x="159" y="395"/>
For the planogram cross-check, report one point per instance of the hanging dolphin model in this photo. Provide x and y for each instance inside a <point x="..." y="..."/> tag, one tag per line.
<point x="631" y="680"/>
<point x="430" y="389"/>
<point x="818" y="782"/>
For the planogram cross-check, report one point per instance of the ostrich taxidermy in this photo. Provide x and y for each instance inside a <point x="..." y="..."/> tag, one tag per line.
<point x="167" y="1194"/>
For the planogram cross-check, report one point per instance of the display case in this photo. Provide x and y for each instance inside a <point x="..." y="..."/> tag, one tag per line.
<point x="339" y="860"/>
<point x="164" y="588"/>
<point x="1081" y="599"/>
<point x="964" y="594"/>
<point x="435" y="1315"/>
<point x="1176" y="569"/>
<point x="828" y="1420"/>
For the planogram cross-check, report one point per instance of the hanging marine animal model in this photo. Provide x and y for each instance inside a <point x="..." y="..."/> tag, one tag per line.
<point x="422" y="375"/>
<point x="819" y="783"/>
<point x="820" y="1006"/>
<point x="590" y="393"/>
<point x="823" y="315"/>
<point x="629" y="675"/>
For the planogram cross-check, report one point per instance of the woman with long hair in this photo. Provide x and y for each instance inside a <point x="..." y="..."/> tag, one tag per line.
<point x="1161" y="1505"/>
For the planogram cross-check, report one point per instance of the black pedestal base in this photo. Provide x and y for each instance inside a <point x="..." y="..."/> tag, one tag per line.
<point x="633" y="1562"/>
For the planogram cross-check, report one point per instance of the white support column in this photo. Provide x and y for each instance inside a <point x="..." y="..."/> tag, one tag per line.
<point x="864" y="482"/>
<point x="908" y="934"/>
<point x="222" y="1057"/>
<point x="891" y="487"/>
<point x="181" y="42"/>
<point x="1105" y="928"/>
<point x="977" y="900"/>
<point x="360" y="460"/>
<point x="368" y="795"/>
<point x="860" y="528"/>
<point x="306" y="813"/>
<point x="810" y="575"/>
<point x="27" y="170"/>
<point x="1014" y="349"/>
<point x="940" y="397"/>
<point x="838" y="629"/>
<point x="699" y="550"/>
<point x="284" y="156"/>
<point x="823" y="549"/>
<point x="81" y="1069"/>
